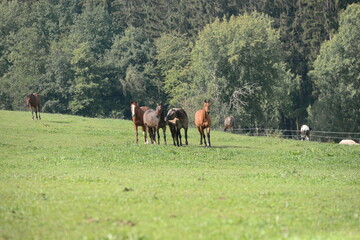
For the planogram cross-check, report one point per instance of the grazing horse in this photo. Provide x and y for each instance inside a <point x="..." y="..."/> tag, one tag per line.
<point x="203" y="121"/>
<point x="137" y="114"/>
<point x="229" y="123"/>
<point x="33" y="102"/>
<point x="305" y="133"/>
<point x="177" y="119"/>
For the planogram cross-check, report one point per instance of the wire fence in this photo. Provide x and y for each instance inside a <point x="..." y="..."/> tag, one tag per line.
<point x="320" y="136"/>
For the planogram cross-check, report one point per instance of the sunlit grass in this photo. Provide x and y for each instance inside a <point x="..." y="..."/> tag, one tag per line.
<point x="68" y="177"/>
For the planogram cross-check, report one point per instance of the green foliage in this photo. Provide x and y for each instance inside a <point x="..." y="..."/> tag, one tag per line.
<point x="146" y="51"/>
<point x="173" y="58"/>
<point x="238" y="64"/>
<point x="337" y="77"/>
<point x="94" y="26"/>
<point x="68" y="177"/>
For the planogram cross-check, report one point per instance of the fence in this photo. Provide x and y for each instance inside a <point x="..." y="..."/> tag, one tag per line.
<point x="321" y="136"/>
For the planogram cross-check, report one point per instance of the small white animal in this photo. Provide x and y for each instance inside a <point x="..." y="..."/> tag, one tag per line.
<point x="305" y="133"/>
<point x="348" y="142"/>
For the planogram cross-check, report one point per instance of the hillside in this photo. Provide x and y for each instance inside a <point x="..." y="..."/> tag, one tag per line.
<point x="69" y="177"/>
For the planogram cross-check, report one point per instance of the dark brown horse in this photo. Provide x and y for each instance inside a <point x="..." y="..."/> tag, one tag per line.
<point x="177" y="119"/>
<point x="153" y="120"/>
<point x="33" y="102"/>
<point x="229" y="123"/>
<point x="137" y="114"/>
<point x="159" y="111"/>
<point x="203" y="121"/>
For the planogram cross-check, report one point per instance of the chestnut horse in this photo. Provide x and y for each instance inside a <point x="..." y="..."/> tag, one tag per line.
<point x="137" y="114"/>
<point x="203" y="121"/>
<point x="33" y="102"/>
<point x="177" y="119"/>
<point x="154" y="120"/>
<point x="229" y="123"/>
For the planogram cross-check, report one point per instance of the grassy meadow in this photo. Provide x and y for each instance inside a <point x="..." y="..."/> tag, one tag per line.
<point x="69" y="177"/>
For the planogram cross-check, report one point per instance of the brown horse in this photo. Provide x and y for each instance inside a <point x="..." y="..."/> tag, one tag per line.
<point x="177" y="119"/>
<point x="153" y="120"/>
<point x="137" y="114"/>
<point x="203" y="121"/>
<point x="150" y="122"/>
<point x="229" y="123"/>
<point x="33" y="102"/>
<point x="159" y="111"/>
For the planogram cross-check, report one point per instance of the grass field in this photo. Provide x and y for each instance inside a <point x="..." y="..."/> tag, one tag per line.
<point x="68" y="177"/>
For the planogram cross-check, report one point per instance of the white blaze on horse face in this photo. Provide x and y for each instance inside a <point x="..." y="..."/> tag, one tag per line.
<point x="132" y="110"/>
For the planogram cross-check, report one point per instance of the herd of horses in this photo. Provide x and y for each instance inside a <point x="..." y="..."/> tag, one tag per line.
<point x="152" y="120"/>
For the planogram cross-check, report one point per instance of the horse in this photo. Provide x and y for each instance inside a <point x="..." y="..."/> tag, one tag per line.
<point x="153" y="120"/>
<point x="33" y="102"/>
<point x="203" y="121"/>
<point x="137" y="114"/>
<point x="177" y="119"/>
<point x="305" y="133"/>
<point x="229" y="123"/>
<point x="159" y="111"/>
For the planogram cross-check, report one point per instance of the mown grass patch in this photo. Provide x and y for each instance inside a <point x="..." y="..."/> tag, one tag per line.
<point x="68" y="177"/>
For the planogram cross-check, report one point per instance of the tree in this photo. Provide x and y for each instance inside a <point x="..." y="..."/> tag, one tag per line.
<point x="131" y="60"/>
<point x="28" y="51"/>
<point x="337" y="77"/>
<point x="58" y="79"/>
<point x="173" y="58"/>
<point x="237" y="63"/>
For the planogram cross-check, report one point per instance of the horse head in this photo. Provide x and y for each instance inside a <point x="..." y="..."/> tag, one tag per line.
<point x="206" y="106"/>
<point x="28" y="100"/>
<point x="133" y="107"/>
<point x="159" y="109"/>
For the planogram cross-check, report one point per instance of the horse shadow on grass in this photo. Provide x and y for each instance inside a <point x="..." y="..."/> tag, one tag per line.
<point x="226" y="147"/>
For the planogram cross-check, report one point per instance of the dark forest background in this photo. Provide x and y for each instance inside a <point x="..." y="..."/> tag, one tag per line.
<point x="269" y="63"/>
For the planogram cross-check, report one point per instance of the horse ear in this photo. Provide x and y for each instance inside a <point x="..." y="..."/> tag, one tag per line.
<point x="205" y="101"/>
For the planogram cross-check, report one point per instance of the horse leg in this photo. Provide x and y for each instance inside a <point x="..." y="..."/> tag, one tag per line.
<point x="201" y="135"/>
<point x="158" y="134"/>
<point x="36" y="113"/>
<point x="172" y="130"/>
<point x="136" y="134"/>
<point x="186" y="140"/>
<point x="150" y="134"/>
<point x="154" y="134"/>
<point x="164" y="131"/>
<point x="179" y="134"/>
<point x="39" y="112"/>
<point x="176" y="136"/>
<point x="208" y="136"/>
<point x="145" y="129"/>
<point x="204" y="137"/>
<point x="32" y="113"/>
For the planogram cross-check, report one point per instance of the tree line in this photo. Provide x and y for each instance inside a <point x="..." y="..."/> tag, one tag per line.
<point x="269" y="63"/>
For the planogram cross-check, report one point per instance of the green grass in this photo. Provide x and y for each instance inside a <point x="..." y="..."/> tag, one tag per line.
<point x="68" y="177"/>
